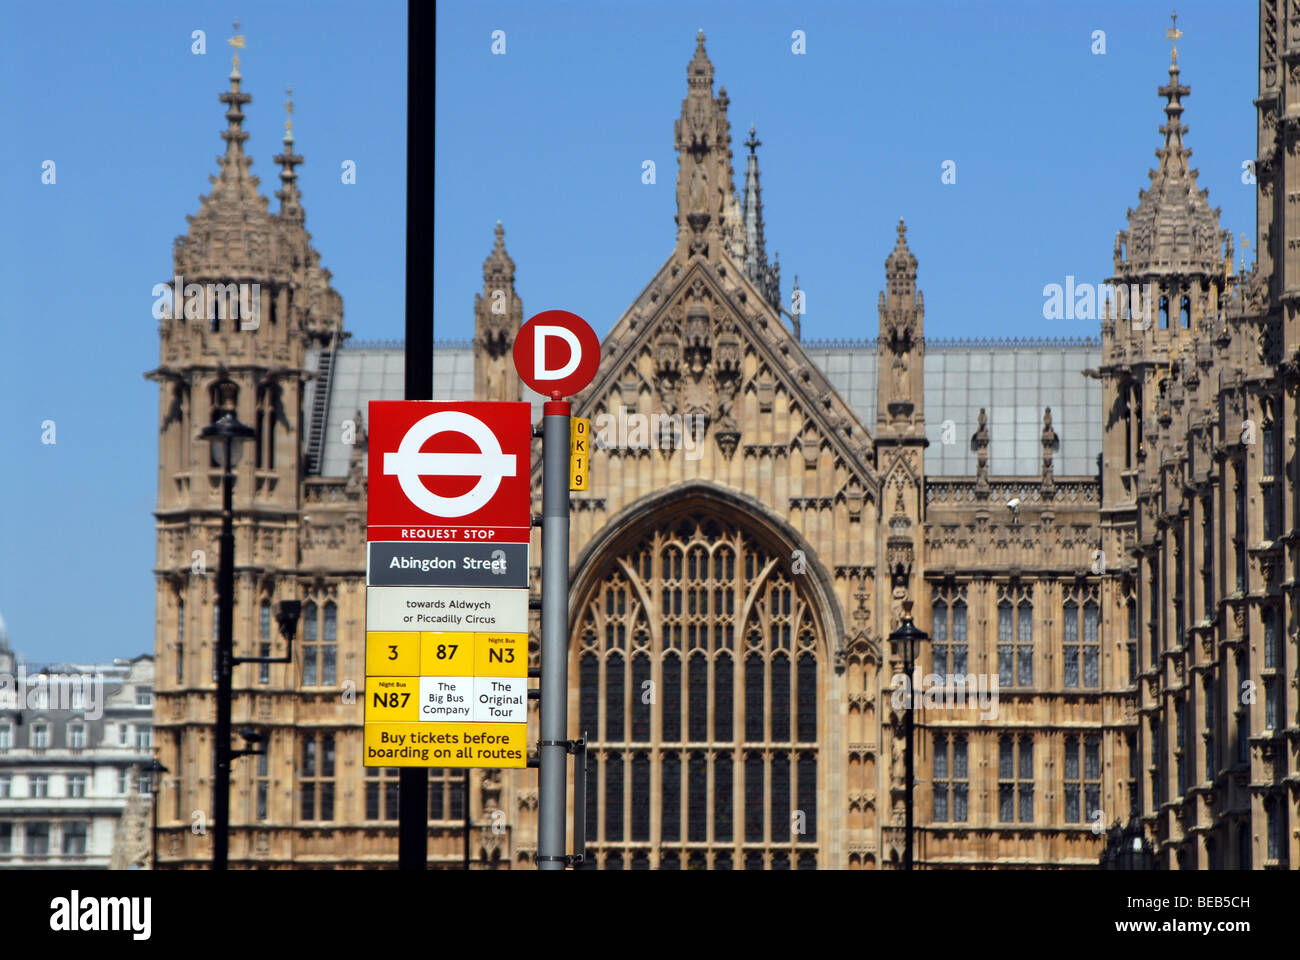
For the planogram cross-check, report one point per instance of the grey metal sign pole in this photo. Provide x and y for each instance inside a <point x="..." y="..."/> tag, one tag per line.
<point x="553" y="754"/>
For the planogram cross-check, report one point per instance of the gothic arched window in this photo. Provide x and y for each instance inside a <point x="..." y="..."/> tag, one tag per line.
<point x="264" y="634"/>
<point x="214" y="398"/>
<point x="698" y="663"/>
<point x="1016" y="637"/>
<point x="1082" y="638"/>
<point x="264" y="427"/>
<point x="949" y="626"/>
<point x="180" y="640"/>
<point x="310" y="637"/>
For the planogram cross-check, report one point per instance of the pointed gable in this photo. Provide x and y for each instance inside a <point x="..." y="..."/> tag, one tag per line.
<point x="701" y="341"/>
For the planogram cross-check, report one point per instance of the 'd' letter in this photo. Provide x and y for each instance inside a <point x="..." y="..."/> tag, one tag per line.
<point x="540" y="372"/>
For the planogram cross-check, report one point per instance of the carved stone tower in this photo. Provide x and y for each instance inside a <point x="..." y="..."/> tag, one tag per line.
<point x="250" y="299"/>
<point x="1167" y="473"/>
<point x="498" y="315"/>
<point x="900" y="416"/>
<point x="900" y="458"/>
<point x="1277" y="169"/>
<point x="1161" y="327"/>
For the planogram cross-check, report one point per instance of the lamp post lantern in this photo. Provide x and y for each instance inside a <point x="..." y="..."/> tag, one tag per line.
<point x="155" y="771"/>
<point x="1127" y="848"/>
<point x="908" y="639"/>
<point x="227" y="435"/>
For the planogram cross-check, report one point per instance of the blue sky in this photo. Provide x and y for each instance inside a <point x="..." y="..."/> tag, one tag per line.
<point x="1051" y="144"/>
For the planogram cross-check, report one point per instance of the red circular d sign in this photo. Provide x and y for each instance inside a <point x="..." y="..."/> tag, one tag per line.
<point x="557" y="353"/>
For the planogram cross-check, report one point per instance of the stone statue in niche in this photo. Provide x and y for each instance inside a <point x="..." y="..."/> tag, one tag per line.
<point x="699" y="189"/>
<point x="901" y="389"/>
<point x="897" y="605"/>
<point x="896" y="743"/>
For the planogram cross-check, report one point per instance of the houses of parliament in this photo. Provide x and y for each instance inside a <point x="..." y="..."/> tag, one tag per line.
<point x="1106" y="531"/>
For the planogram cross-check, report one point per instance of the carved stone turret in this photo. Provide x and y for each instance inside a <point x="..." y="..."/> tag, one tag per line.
<point x="705" y="178"/>
<point x="901" y="383"/>
<point x="498" y="315"/>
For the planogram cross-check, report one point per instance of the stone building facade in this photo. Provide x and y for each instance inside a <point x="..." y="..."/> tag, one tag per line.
<point x="75" y="744"/>
<point x="763" y="511"/>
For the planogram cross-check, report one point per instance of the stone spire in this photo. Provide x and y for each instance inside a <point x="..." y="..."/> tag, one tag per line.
<point x="796" y="303"/>
<point x="131" y="839"/>
<point x="290" y="198"/>
<point x="234" y="183"/>
<point x="230" y="234"/>
<point x="755" y="248"/>
<point x="705" y="179"/>
<point x="498" y="315"/>
<point x="756" y="266"/>
<point x="1173" y="229"/>
<point x="900" y="383"/>
<point x="900" y="273"/>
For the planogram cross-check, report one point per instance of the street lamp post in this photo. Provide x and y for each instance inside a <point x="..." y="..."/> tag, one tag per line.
<point x="909" y="638"/>
<point x="226" y="434"/>
<point x="155" y="771"/>
<point x="1127" y="848"/>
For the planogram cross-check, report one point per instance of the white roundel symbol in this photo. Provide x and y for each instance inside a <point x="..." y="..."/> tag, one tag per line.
<point x="490" y="465"/>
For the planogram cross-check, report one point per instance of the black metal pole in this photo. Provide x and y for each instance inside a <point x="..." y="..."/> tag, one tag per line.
<point x="153" y="838"/>
<point x="413" y="782"/>
<point x="907" y="723"/>
<point x="225" y="645"/>
<point x="467" y="820"/>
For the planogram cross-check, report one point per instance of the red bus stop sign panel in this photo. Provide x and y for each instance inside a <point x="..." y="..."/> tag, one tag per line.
<point x="557" y="352"/>
<point x="449" y="464"/>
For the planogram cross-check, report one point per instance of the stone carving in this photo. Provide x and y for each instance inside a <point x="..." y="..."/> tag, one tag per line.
<point x="1049" y="446"/>
<point x="980" y="444"/>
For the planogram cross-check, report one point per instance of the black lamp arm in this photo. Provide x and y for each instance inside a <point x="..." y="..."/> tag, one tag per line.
<point x="288" y="619"/>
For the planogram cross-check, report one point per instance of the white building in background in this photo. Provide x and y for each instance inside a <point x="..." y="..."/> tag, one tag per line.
<point x="73" y="737"/>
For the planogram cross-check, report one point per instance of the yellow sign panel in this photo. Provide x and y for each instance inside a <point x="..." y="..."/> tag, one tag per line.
<point x="446" y="745"/>
<point x="501" y="654"/>
<point x="446" y="654"/>
<point x="392" y="654"/>
<point x="392" y="698"/>
<point x="579" y="448"/>
<point x="446" y="699"/>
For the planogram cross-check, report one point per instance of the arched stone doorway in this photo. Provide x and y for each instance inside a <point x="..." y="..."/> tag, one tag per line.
<point x="700" y="657"/>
